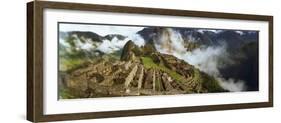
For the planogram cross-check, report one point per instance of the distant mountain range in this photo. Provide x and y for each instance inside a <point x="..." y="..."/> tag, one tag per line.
<point x="91" y="35"/>
<point x="208" y="37"/>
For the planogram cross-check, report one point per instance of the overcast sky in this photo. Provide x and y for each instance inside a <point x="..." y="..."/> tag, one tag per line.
<point x="100" y="29"/>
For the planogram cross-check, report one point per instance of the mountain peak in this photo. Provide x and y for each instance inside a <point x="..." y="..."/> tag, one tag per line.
<point x="87" y="35"/>
<point x="130" y="50"/>
<point x="149" y="48"/>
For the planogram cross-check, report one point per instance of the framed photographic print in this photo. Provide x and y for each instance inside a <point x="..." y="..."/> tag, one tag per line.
<point x="96" y="61"/>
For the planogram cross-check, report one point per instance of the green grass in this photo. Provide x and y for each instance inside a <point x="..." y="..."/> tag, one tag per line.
<point x="70" y="61"/>
<point x="157" y="85"/>
<point x="208" y="82"/>
<point x="68" y="64"/>
<point x="65" y="94"/>
<point x="148" y="63"/>
<point x="197" y="75"/>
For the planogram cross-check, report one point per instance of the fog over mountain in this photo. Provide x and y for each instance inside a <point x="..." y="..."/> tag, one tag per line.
<point x="230" y="56"/>
<point x="212" y="51"/>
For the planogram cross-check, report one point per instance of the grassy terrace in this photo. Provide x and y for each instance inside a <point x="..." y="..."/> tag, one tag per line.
<point x="148" y="63"/>
<point x="65" y="94"/>
<point x="208" y="82"/>
<point x="67" y="64"/>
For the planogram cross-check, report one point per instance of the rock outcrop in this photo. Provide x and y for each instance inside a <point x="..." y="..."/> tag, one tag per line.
<point x="130" y="52"/>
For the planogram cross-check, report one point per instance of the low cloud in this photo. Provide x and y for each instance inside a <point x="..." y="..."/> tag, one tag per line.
<point x="109" y="46"/>
<point x="232" y="85"/>
<point x="137" y="39"/>
<point x="208" y="59"/>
